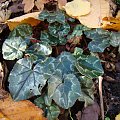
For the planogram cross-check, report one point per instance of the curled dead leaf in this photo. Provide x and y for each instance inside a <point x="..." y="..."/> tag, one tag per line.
<point x="30" y="18"/>
<point x="111" y="23"/>
<point x="22" y="110"/>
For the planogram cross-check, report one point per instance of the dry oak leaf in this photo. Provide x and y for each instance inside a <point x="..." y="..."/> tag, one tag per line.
<point x="40" y="4"/>
<point x="22" y="110"/>
<point x="28" y="5"/>
<point x="99" y="10"/>
<point x="111" y="23"/>
<point x="30" y="18"/>
<point x="77" y="8"/>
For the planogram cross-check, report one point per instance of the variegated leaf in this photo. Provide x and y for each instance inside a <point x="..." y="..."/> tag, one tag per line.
<point x="13" y="48"/>
<point x="68" y="92"/>
<point x="88" y="65"/>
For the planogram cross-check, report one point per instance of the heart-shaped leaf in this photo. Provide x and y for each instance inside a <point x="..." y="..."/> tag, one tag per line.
<point x="51" y="40"/>
<point x="68" y="92"/>
<point x="52" y="110"/>
<point x="22" y="30"/>
<point x="13" y="48"/>
<point x="86" y="90"/>
<point x="58" y="30"/>
<point x="100" y="39"/>
<point x="88" y="65"/>
<point x="25" y="80"/>
<point x="56" y="16"/>
<point x="78" y="31"/>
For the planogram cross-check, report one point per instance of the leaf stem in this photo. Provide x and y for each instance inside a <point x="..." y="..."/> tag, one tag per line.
<point x="101" y="97"/>
<point x="70" y="114"/>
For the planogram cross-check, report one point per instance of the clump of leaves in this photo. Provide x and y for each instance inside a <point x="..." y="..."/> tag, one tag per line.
<point x="55" y="81"/>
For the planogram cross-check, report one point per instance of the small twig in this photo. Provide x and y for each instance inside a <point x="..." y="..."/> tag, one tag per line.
<point x="101" y="97"/>
<point x="70" y="114"/>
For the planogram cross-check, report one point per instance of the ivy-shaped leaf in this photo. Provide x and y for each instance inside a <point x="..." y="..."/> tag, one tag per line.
<point x="100" y="39"/>
<point x="22" y="30"/>
<point x="54" y="16"/>
<point x="58" y="30"/>
<point x="51" y="40"/>
<point x="78" y="31"/>
<point x="86" y="90"/>
<point x="68" y="92"/>
<point x="52" y="110"/>
<point x="13" y="48"/>
<point x="88" y="65"/>
<point x="115" y="39"/>
<point x="25" y="80"/>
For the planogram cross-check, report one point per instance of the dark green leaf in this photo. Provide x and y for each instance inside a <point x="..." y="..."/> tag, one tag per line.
<point x="88" y="65"/>
<point x="86" y="91"/>
<point x="56" y="16"/>
<point x="13" y="48"/>
<point x="68" y="92"/>
<point x="100" y="39"/>
<point x="53" y="112"/>
<point x="22" y="30"/>
<point x="58" y="30"/>
<point x="26" y="80"/>
<point x="115" y="39"/>
<point x="78" y="31"/>
<point x="51" y="40"/>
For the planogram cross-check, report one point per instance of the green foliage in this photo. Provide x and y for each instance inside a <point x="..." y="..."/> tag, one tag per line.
<point x="51" y="17"/>
<point x="52" y="110"/>
<point x="115" y="39"/>
<point x="26" y="80"/>
<point x="38" y="51"/>
<point x="56" y="34"/>
<point x="78" y="31"/>
<point x="58" y="30"/>
<point x="65" y="78"/>
<point x="86" y="90"/>
<point x="118" y="2"/>
<point x="22" y="30"/>
<point x="13" y="48"/>
<point x="100" y="39"/>
<point x="68" y="92"/>
<point x="88" y="65"/>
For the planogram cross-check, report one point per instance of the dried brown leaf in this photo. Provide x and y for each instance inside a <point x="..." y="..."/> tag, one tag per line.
<point x="111" y="23"/>
<point x="29" y="4"/>
<point x="22" y="110"/>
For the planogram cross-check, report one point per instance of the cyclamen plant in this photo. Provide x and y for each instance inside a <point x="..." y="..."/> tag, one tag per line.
<point x="55" y="81"/>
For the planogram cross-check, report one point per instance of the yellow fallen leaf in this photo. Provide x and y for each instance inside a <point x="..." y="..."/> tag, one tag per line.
<point x="30" y="18"/>
<point x="2" y="117"/>
<point x="111" y="23"/>
<point x="117" y="117"/>
<point x="99" y="10"/>
<point x="77" y="8"/>
<point x="22" y="110"/>
<point x="28" y="5"/>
